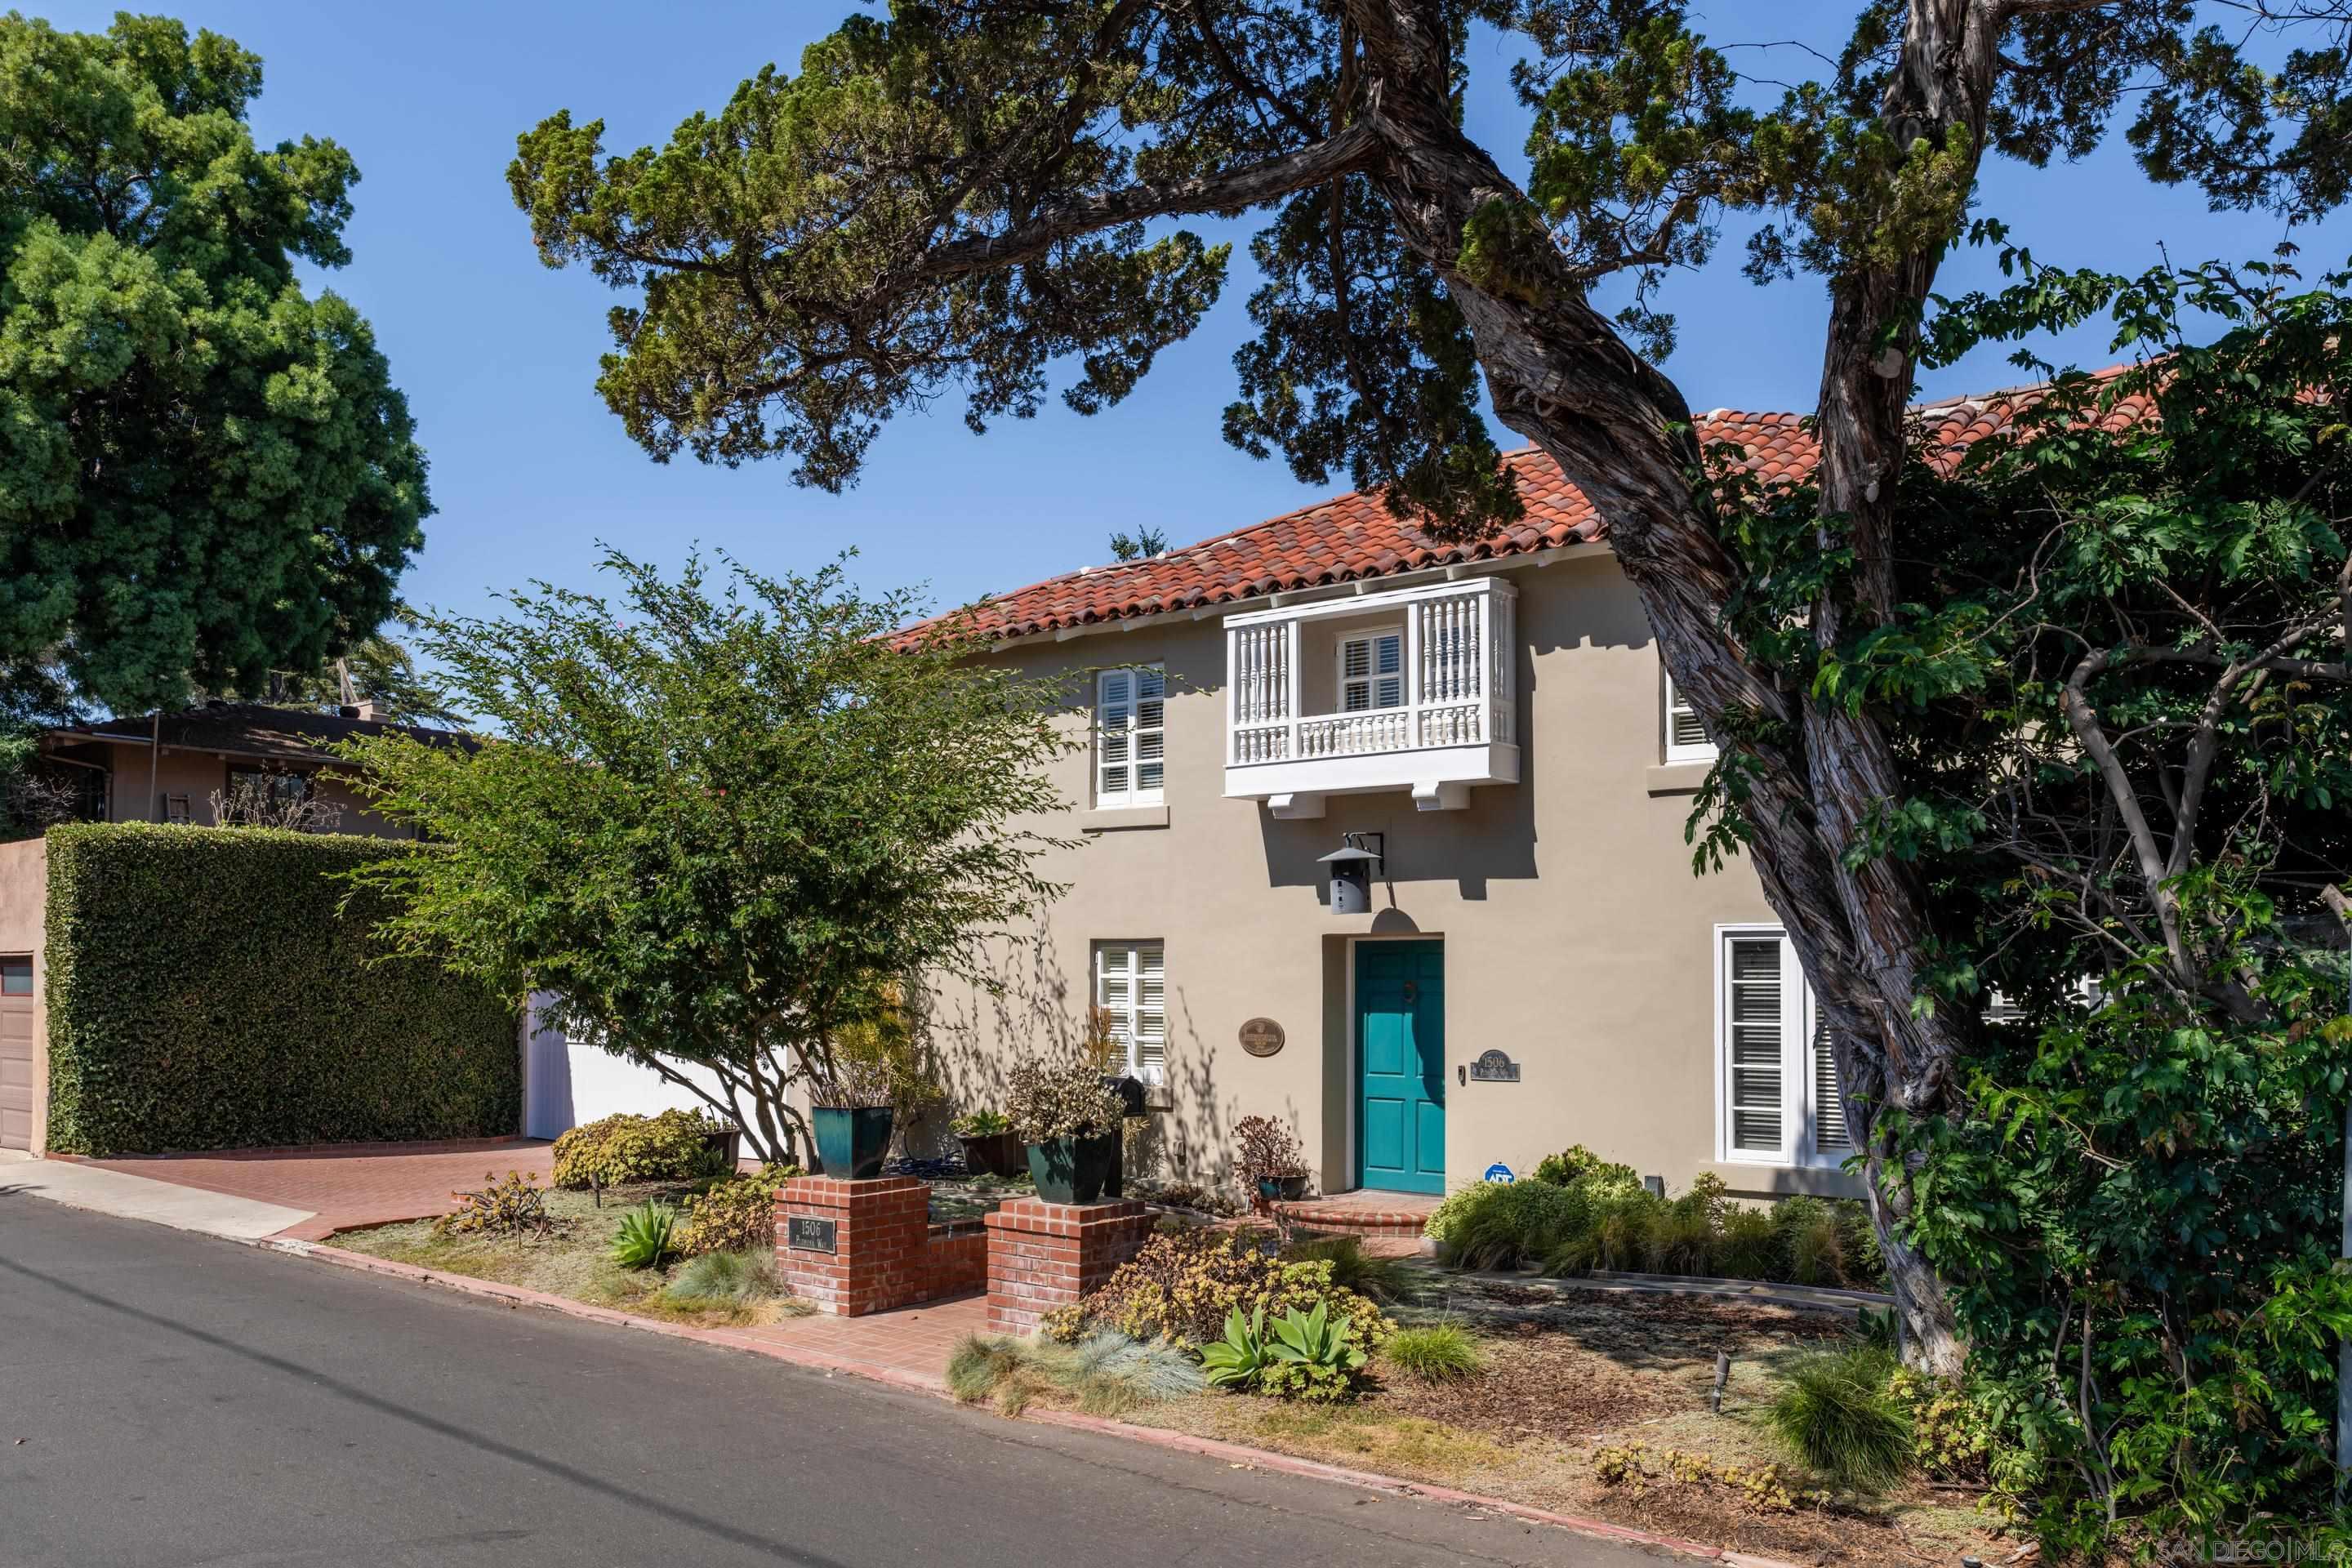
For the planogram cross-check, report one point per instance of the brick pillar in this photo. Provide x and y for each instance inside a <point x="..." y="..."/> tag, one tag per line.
<point x="880" y="1231"/>
<point x="1041" y="1255"/>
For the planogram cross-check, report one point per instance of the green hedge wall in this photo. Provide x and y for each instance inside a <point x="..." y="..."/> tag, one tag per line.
<point x="208" y="988"/>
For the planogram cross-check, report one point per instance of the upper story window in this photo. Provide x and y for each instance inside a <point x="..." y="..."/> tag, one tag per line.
<point x="1371" y="671"/>
<point x="1782" y="1101"/>
<point x="1131" y="992"/>
<point x="1687" y="738"/>
<point x="1130" y="736"/>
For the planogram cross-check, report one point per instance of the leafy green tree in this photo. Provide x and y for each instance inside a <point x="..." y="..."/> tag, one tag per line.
<point x="2117" y="694"/>
<point x="966" y="191"/>
<point x="203" y="474"/>
<point x="718" y="826"/>
<point x="1135" y="546"/>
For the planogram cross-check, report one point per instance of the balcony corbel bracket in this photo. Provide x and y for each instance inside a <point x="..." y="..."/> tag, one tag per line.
<point x="1432" y="795"/>
<point x="1302" y="807"/>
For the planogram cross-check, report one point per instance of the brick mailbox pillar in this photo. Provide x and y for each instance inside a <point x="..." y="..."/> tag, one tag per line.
<point x="853" y="1248"/>
<point x="1041" y="1255"/>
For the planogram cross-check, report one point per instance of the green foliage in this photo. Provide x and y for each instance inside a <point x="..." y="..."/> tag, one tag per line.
<point x="1239" y="1361"/>
<point x="647" y="1236"/>
<point x="1952" y="1436"/>
<point x="217" y="991"/>
<point x="1315" y="1355"/>
<point x="981" y="1124"/>
<point x="1434" y="1353"/>
<point x="1352" y="1268"/>
<point x="1576" y="1163"/>
<point x="515" y="1206"/>
<point x="721" y="824"/>
<point x="736" y="1214"/>
<point x="1498" y="1225"/>
<point x="1103" y="1374"/>
<point x="1835" y="1412"/>
<point x="735" y="1277"/>
<point x="209" y="474"/>
<point x="625" y="1147"/>
<point x="1183" y="1285"/>
<point x="1050" y="1100"/>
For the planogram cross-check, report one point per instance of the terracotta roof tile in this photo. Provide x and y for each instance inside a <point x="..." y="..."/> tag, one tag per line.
<point x="1354" y="536"/>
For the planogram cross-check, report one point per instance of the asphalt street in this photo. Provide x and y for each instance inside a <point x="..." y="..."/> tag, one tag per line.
<point x="168" y="1400"/>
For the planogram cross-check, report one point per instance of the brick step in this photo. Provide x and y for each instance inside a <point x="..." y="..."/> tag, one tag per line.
<point x="1353" y="1216"/>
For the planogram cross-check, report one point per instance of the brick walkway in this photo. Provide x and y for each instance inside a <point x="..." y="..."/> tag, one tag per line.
<point x="909" y="1345"/>
<point x="348" y="1184"/>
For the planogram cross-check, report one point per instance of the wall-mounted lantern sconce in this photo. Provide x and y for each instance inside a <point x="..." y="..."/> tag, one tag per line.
<point x="1354" y="867"/>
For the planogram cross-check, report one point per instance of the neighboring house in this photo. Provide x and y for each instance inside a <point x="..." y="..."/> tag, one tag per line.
<point x="1494" y="720"/>
<point x="170" y="766"/>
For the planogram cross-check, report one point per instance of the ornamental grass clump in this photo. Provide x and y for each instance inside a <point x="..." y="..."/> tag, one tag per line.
<point x="1103" y="1374"/>
<point x="1050" y="1100"/>
<point x="1838" y="1413"/>
<point x="1434" y="1353"/>
<point x="1353" y="1269"/>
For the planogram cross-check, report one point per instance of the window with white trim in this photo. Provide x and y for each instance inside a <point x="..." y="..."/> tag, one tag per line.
<point x="1371" y="671"/>
<point x="1778" y="1079"/>
<point x="1687" y="738"/>
<point x="1131" y="991"/>
<point x="1130" y="736"/>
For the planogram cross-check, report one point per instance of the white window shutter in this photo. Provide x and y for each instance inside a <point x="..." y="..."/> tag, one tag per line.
<point x="1130" y="987"/>
<point x="1830" y="1134"/>
<point x="1687" y="738"/>
<point x="1371" y="672"/>
<point x="1754" y="1026"/>
<point x="1130" y="736"/>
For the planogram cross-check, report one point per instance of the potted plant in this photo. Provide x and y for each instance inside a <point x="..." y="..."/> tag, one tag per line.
<point x="1272" y="1164"/>
<point x="853" y="1118"/>
<point x="990" y="1146"/>
<point x="1070" y="1122"/>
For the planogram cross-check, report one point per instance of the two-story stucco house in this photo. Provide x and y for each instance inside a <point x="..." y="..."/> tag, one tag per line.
<point x="1493" y="721"/>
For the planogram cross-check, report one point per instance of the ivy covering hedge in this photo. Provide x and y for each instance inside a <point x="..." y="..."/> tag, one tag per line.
<point x="214" y="988"/>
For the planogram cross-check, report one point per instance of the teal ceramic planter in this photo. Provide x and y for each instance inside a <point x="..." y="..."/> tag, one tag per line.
<point x="851" y="1142"/>
<point x="1071" y="1169"/>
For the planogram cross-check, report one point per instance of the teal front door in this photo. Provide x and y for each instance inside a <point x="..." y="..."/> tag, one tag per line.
<point x="1401" y="1066"/>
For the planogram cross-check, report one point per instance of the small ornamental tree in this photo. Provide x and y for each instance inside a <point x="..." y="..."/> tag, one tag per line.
<point x="716" y="824"/>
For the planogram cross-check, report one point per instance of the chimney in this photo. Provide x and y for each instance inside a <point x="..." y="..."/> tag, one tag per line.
<point x="363" y="710"/>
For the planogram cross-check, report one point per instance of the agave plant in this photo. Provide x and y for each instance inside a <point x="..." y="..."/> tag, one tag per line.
<point x="1316" y="1341"/>
<point x="1240" y="1359"/>
<point x="648" y="1234"/>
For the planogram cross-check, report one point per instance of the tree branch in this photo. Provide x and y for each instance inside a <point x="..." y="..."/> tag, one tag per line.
<point x="1251" y="185"/>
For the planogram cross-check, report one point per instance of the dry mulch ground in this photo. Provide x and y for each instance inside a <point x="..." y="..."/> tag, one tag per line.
<point x="1570" y="1372"/>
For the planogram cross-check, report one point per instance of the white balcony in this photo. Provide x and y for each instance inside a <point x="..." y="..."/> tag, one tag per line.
<point x="1410" y="690"/>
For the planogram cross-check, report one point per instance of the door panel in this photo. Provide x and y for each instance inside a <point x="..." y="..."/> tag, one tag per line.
<point x="1401" y="1053"/>
<point x="16" y="1051"/>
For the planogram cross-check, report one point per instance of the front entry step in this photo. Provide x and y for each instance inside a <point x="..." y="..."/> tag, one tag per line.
<point x="1365" y="1213"/>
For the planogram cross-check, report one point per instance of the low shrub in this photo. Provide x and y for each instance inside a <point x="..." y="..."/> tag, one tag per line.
<point x="646" y="1235"/>
<point x="1104" y="1374"/>
<point x="1433" y="1352"/>
<point x="670" y="1147"/>
<point x="737" y="1213"/>
<point x="1951" y="1438"/>
<point x="516" y="1206"/>
<point x="1837" y="1413"/>
<point x="1499" y="1225"/>
<point x="724" y="1278"/>
<point x="981" y="1124"/>
<point x="1353" y="1269"/>
<point x="1578" y="1163"/>
<point x="1183" y="1285"/>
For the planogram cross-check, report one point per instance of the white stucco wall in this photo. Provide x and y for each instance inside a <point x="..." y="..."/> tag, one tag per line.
<point x="566" y="1083"/>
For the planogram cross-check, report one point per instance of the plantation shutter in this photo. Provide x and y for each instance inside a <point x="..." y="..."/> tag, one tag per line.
<point x="1130" y="736"/>
<point x="1686" y="736"/>
<point x="1130" y="987"/>
<point x="1753" y="1012"/>
<point x="1371" y="672"/>
<point x="1830" y="1135"/>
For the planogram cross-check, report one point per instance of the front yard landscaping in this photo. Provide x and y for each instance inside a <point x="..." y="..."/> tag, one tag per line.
<point x="572" y="1256"/>
<point x="1574" y="1400"/>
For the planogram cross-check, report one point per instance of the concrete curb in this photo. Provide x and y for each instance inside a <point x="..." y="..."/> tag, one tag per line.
<point x="1154" y="1437"/>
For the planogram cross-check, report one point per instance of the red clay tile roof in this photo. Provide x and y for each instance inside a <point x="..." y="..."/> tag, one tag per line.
<point x="1355" y="536"/>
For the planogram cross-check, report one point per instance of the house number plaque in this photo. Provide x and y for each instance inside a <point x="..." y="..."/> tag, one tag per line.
<point x="1494" y="1067"/>
<point x="806" y="1234"/>
<point x="1262" y="1037"/>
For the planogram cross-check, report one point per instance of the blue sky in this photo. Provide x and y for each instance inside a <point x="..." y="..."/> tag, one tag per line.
<point x="497" y="354"/>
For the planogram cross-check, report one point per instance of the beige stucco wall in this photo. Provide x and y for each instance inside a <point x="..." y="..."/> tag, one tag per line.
<point x="198" y="776"/>
<point x="24" y="899"/>
<point x="1577" y="940"/>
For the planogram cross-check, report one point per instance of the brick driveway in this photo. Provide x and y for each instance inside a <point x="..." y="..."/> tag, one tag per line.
<point x="346" y="1184"/>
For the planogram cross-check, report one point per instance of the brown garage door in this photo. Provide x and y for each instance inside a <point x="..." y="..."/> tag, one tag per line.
<point x="15" y="1050"/>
